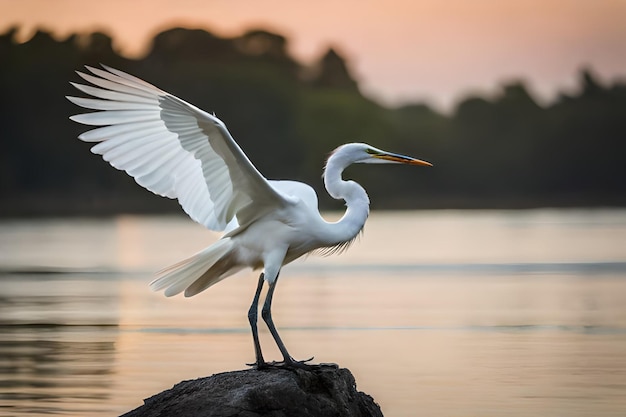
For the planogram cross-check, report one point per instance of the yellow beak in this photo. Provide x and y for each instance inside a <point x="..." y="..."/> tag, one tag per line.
<point x="402" y="159"/>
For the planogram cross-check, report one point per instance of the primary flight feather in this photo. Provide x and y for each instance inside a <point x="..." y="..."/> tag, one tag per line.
<point x="177" y="150"/>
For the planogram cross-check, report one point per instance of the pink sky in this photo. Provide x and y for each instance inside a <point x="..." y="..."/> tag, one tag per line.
<point x="434" y="50"/>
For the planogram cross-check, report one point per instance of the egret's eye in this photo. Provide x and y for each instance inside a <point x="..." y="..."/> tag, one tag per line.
<point x="372" y="151"/>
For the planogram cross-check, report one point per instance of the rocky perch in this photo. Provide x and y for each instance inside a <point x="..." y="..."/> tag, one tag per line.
<point x="274" y="392"/>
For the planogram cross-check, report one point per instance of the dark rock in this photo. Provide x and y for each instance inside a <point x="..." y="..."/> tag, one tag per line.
<point x="275" y="392"/>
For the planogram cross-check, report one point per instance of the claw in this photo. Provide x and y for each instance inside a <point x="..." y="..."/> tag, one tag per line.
<point x="290" y="363"/>
<point x="260" y="365"/>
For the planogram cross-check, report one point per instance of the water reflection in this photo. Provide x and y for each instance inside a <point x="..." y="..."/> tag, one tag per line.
<point x="539" y="322"/>
<point x="57" y="344"/>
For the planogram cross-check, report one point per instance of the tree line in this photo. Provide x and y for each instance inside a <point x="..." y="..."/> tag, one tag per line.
<point x="505" y="151"/>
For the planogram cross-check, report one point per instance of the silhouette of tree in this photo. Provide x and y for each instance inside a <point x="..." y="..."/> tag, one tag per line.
<point x="332" y="72"/>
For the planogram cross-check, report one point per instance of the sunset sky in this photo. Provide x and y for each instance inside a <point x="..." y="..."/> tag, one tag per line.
<point x="400" y="50"/>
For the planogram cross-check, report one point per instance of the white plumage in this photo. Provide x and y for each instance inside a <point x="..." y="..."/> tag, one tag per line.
<point x="176" y="150"/>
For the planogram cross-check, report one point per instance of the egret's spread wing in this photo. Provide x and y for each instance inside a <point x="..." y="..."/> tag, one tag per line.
<point x="173" y="149"/>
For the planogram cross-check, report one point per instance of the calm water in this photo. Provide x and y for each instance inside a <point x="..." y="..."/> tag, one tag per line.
<point x="442" y="313"/>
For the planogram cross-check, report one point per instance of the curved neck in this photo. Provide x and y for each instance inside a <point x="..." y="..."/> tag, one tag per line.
<point x="356" y="199"/>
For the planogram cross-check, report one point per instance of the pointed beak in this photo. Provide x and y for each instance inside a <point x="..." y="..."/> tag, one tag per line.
<point x="401" y="159"/>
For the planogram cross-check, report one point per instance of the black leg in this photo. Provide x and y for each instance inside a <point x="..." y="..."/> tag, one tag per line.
<point x="252" y="318"/>
<point x="266" y="313"/>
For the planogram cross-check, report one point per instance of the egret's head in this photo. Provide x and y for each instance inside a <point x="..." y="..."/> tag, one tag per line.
<point x="366" y="154"/>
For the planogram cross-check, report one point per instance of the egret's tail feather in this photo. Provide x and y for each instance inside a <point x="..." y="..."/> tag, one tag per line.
<point x="197" y="272"/>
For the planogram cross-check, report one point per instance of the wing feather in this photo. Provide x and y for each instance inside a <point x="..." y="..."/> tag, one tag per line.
<point x="173" y="149"/>
<point x="95" y="104"/>
<point x="110" y="95"/>
<point x="139" y="91"/>
<point x="103" y="118"/>
<point x="125" y="76"/>
<point x="121" y="133"/>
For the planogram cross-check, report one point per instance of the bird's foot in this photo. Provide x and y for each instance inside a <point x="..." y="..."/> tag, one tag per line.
<point x="294" y="364"/>
<point x="260" y="364"/>
<point x="288" y="364"/>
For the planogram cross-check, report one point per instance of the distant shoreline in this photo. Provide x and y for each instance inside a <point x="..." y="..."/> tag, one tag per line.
<point x="53" y="207"/>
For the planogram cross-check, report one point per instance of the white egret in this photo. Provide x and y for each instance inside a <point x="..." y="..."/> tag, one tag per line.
<point x="176" y="150"/>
